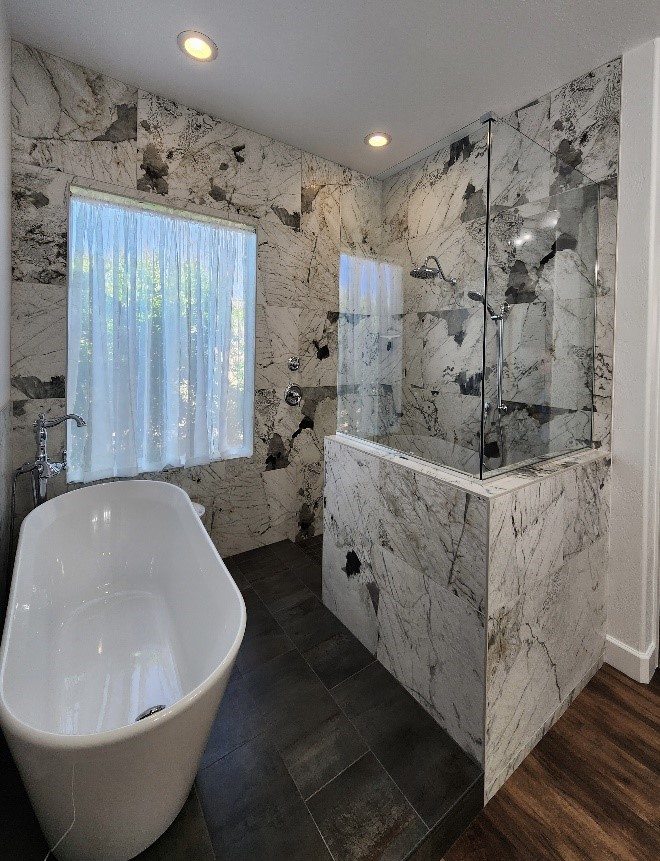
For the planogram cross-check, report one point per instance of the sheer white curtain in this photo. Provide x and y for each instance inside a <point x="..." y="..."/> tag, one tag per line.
<point x="370" y="329"/>
<point x="161" y="337"/>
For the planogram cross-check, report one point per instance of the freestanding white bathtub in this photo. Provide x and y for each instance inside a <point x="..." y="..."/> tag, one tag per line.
<point x="119" y="603"/>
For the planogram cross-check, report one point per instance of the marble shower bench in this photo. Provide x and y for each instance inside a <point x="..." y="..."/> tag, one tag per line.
<point x="485" y="599"/>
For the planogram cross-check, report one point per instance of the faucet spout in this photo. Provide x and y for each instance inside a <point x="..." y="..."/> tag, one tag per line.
<point x="51" y="423"/>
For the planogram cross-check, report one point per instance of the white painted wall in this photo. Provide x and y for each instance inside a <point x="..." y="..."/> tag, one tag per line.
<point x="635" y="529"/>
<point x="5" y="211"/>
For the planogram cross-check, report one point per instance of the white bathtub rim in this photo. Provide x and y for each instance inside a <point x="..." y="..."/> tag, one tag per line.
<point x="63" y="741"/>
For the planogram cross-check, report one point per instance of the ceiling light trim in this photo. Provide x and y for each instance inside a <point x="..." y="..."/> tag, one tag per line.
<point x="183" y="42"/>
<point x="378" y="140"/>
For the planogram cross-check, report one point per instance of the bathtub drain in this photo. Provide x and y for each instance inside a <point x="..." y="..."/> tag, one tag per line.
<point x="148" y="712"/>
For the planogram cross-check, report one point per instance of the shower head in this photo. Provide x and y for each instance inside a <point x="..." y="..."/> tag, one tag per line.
<point x="479" y="297"/>
<point x="427" y="272"/>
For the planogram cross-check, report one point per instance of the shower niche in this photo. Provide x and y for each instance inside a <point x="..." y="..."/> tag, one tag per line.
<point x="466" y="510"/>
<point x="467" y="304"/>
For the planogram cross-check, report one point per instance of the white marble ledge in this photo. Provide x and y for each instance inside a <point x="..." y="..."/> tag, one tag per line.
<point x="488" y="487"/>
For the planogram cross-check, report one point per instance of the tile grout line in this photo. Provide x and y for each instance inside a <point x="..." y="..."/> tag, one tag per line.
<point x="309" y="812"/>
<point x="339" y="774"/>
<point x="373" y="753"/>
<point x="201" y="810"/>
<point x="352" y="675"/>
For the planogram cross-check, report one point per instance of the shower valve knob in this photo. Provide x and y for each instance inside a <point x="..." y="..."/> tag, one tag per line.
<point x="293" y="395"/>
<point x="294" y="363"/>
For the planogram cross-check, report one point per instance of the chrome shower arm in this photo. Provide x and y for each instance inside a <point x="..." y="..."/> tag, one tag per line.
<point x="440" y="272"/>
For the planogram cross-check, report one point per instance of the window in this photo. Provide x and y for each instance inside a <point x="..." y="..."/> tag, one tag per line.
<point x="161" y="337"/>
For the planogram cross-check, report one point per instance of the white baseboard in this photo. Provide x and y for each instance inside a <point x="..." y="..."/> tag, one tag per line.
<point x="640" y="666"/>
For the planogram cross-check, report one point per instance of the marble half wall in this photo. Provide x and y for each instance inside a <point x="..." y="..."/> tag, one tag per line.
<point x="70" y="123"/>
<point x="485" y="599"/>
<point x="404" y="567"/>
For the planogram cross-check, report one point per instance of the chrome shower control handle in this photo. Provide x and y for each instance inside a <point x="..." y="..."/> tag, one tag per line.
<point x="293" y="395"/>
<point x="294" y="363"/>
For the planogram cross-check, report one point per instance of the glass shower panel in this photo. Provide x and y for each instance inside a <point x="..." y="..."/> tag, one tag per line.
<point x="542" y="245"/>
<point x="411" y="347"/>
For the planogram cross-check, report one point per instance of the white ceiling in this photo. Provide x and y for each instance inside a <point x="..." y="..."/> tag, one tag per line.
<point x="321" y="74"/>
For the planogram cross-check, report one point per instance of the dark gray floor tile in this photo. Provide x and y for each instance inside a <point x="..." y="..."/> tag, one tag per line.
<point x="264" y="639"/>
<point x="338" y="658"/>
<point x="328" y="646"/>
<point x="290" y="553"/>
<point x="453" y="824"/>
<point x="255" y="564"/>
<point x="237" y="721"/>
<point x="281" y="591"/>
<point x="187" y="837"/>
<point x="308" y="623"/>
<point x="322" y="753"/>
<point x="363" y="816"/>
<point x="309" y="573"/>
<point x="254" y="811"/>
<point x="291" y="699"/>
<point x="313" y="547"/>
<point x="238" y="576"/>
<point x="20" y="836"/>
<point x="258" y="570"/>
<point x="426" y="763"/>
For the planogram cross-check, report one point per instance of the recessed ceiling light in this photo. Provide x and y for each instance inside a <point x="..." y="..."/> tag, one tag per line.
<point x="197" y="45"/>
<point x="378" y="139"/>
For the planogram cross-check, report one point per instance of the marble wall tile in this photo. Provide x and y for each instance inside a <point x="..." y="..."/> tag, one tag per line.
<point x="521" y="170"/>
<point x="396" y="572"/>
<point x="71" y="119"/>
<point x="277" y="336"/>
<point x="5" y="497"/>
<point x="39" y="224"/>
<point x="605" y="288"/>
<point x="461" y="249"/>
<point x="533" y="120"/>
<point x="194" y="156"/>
<point x="435" y="193"/>
<point x="38" y="340"/>
<point x="282" y="264"/>
<point x="443" y="349"/>
<point x="497" y="780"/>
<point x="584" y="121"/>
<point x="322" y="185"/>
<point x="362" y="220"/>
<point x="433" y="642"/>
<point x="318" y="347"/>
<point x="546" y="611"/>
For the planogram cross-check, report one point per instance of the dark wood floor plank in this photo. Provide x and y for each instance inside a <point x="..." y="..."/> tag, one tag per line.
<point x="589" y="790"/>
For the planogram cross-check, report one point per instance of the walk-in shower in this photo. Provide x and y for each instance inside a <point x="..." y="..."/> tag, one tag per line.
<point x="481" y="357"/>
